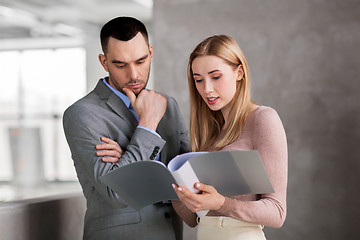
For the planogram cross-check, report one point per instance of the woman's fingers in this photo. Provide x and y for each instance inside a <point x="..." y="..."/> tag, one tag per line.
<point x="212" y="199"/>
<point x="208" y="199"/>
<point x="205" y="188"/>
<point x="189" y="198"/>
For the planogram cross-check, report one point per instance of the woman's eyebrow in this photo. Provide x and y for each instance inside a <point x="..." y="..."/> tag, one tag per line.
<point x="216" y="70"/>
<point x="197" y="74"/>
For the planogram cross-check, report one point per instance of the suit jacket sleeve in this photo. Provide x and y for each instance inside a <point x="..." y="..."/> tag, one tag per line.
<point x="83" y="128"/>
<point x="173" y="129"/>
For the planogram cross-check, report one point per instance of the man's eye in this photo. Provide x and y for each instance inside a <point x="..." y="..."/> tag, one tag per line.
<point x="120" y="66"/>
<point x="140" y="62"/>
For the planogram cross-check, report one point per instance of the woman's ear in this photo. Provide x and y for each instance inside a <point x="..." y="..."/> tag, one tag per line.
<point x="240" y="73"/>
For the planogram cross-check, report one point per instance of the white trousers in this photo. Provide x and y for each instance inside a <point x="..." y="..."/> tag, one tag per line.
<point x="211" y="227"/>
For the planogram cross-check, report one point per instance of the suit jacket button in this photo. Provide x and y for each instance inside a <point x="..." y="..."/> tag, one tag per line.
<point x="156" y="150"/>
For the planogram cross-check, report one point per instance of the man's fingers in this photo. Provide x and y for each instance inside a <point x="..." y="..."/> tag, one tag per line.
<point x="120" y="150"/>
<point x="130" y="95"/>
<point x="110" y="159"/>
<point x="106" y="146"/>
<point x="109" y="144"/>
<point x="109" y="153"/>
<point x="107" y="140"/>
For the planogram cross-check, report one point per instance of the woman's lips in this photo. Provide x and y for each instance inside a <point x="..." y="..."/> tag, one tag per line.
<point x="212" y="100"/>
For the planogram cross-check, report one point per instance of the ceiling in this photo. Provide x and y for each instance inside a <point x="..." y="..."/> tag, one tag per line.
<point x="36" y="21"/>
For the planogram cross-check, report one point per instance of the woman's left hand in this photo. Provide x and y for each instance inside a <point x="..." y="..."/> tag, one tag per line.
<point x="208" y="199"/>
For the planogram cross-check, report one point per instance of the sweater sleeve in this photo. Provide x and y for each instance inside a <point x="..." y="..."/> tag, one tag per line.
<point x="270" y="140"/>
<point x="185" y="214"/>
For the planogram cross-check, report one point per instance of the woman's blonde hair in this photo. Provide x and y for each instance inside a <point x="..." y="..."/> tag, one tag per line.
<point x="205" y="124"/>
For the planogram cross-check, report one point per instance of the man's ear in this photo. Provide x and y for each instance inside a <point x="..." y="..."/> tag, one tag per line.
<point x="151" y="51"/>
<point x="103" y="61"/>
<point x="240" y="73"/>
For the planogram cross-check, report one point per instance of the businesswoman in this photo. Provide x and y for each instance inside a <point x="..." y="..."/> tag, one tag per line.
<point x="223" y="117"/>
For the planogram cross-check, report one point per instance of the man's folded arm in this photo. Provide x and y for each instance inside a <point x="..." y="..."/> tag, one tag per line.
<point x="83" y="135"/>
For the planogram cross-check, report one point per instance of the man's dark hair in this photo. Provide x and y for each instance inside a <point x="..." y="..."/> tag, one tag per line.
<point x="122" y="28"/>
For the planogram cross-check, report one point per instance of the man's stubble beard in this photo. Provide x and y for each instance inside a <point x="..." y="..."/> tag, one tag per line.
<point x="117" y="87"/>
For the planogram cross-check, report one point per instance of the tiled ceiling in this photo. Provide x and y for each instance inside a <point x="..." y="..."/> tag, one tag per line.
<point x="37" y="19"/>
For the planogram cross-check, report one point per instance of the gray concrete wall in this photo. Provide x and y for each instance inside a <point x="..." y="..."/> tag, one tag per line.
<point x="304" y="62"/>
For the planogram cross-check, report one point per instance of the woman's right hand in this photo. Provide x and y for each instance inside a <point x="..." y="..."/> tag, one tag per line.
<point x="207" y="199"/>
<point x="110" y="151"/>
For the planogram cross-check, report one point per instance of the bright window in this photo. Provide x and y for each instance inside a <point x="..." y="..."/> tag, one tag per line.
<point x="36" y="87"/>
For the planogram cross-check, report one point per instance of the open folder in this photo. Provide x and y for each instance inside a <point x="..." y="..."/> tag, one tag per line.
<point x="231" y="173"/>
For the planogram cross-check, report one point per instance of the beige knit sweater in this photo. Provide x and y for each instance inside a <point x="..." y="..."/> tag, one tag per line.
<point x="264" y="132"/>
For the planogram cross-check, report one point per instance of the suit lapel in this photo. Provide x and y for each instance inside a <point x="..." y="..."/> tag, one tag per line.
<point x="116" y="104"/>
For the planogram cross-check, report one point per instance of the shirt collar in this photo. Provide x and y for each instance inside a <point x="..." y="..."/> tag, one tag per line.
<point x="122" y="96"/>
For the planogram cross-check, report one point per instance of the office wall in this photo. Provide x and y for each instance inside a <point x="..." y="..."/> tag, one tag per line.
<point x="304" y="62"/>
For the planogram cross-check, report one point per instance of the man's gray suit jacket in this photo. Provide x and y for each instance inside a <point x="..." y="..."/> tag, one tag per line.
<point x="102" y="113"/>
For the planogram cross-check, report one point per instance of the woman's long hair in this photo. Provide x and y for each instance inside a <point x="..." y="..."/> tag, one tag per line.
<point x="205" y="124"/>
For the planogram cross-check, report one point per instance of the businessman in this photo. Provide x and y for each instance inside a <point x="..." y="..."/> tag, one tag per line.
<point x="147" y="125"/>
